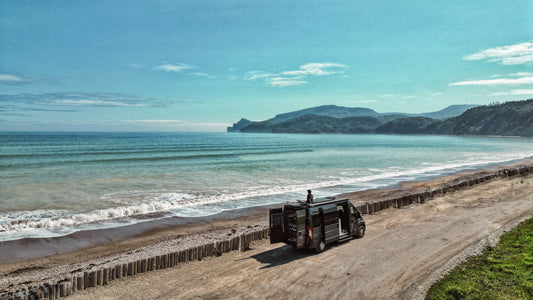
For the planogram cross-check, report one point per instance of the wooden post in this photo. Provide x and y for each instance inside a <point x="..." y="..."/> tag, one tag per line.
<point x="152" y="264"/>
<point x="51" y="292"/>
<point x="99" y="277"/>
<point x="92" y="279"/>
<point x="79" y="283"/>
<point x="158" y="262"/>
<point x="118" y="271"/>
<point x="85" y="280"/>
<point x="105" y="277"/>
<point x="125" y="270"/>
<point x="62" y="290"/>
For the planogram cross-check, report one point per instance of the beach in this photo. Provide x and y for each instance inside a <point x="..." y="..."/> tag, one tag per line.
<point x="403" y="251"/>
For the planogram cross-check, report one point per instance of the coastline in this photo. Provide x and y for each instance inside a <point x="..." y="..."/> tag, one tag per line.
<point x="141" y="234"/>
<point x="175" y="233"/>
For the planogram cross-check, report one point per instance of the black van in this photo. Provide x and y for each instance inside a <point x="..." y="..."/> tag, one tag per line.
<point x="315" y="225"/>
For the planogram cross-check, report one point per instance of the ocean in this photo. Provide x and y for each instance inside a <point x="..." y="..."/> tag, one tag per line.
<point x="54" y="184"/>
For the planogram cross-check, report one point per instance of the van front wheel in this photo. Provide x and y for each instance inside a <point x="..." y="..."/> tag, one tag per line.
<point x="321" y="246"/>
<point x="360" y="231"/>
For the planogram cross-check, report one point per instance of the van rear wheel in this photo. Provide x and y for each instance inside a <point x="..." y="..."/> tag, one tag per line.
<point x="321" y="246"/>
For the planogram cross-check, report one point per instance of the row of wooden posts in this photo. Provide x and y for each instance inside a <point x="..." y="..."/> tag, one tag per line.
<point x="100" y="277"/>
<point x="461" y="183"/>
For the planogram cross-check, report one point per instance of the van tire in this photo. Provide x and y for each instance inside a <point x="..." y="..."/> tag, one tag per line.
<point x="360" y="232"/>
<point x="321" y="246"/>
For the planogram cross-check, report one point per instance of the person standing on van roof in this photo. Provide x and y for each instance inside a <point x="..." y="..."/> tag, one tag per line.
<point x="309" y="197"/>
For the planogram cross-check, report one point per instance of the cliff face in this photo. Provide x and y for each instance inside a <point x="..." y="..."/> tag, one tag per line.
<point x="510" y="119"/>
<point x="239" y="125"/>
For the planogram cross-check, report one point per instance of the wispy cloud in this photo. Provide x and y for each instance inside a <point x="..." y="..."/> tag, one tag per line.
<point x="285" y="81"/>
<point x="173" y="68"/>
<point x="181" y="68"/>
<point x="297" y="77"/>
<point x="201" y="74"/>
<point x="498" y="81"/>
<point x="70" y="102"/>
<point x="507" y="55"/>
<point x="514" y="92"/>
<point x="317" y="69"/>
<point x="118" y="125"/>
<point x="12" y="79"/>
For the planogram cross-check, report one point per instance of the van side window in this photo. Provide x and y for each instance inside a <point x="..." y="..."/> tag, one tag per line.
<point x="354" y="212"/>
<point x="316" y="220"/>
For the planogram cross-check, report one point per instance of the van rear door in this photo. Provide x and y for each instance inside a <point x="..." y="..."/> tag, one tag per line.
<point x="276" y="225"/>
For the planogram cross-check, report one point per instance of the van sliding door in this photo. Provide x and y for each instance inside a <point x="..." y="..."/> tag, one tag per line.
<point x="302" y="232"/>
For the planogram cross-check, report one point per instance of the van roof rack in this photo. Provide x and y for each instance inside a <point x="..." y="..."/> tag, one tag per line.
<point x="326" y="200"/>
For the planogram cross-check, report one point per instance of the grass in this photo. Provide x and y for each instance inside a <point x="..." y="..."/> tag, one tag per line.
<point x="504" y="272"/>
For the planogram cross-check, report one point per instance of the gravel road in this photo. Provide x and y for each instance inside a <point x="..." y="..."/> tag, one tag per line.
<point x="403" y="252"/>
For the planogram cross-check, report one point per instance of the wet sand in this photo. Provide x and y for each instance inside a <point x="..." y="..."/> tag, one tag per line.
<point x="402" y="249"/>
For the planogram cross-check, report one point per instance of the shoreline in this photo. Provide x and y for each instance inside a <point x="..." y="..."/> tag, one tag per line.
<point x="153" y="231"/>
<point x="178" y="234"/>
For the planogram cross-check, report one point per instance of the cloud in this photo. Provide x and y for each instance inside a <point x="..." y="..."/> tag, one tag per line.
<point x="200" y="74"/>
<point x="117" y="125"/>
<point x="254" y="75"/>
<point x="507" y="55"/>
<point x="285" y="81"/>
<point x="498" y="81"/>
<point x="317" y="69"/>
<point x="12" y="79"/>
<point x="296" y="77"/>
<point x="514" y="92"/>
<point x="70" y="102"/>
<point x="173" y="68"/>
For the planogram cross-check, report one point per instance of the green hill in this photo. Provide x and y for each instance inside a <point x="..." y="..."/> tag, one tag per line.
<point x="507" y="119"/>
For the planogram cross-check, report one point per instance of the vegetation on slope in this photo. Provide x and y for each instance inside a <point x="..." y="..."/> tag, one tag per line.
<point x="505" y="272"/>
<point x="508" y="119"/>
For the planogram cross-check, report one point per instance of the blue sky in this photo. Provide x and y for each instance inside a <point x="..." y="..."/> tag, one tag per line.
<point x="201" y="65"/>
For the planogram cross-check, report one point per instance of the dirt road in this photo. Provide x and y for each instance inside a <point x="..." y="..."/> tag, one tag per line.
<point x="403" y="251"/>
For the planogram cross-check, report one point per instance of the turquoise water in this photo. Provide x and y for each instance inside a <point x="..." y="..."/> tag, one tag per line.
<point x="55" y="184"/>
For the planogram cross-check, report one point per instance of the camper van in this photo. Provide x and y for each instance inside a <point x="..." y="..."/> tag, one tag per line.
<point x="314" y="225"/>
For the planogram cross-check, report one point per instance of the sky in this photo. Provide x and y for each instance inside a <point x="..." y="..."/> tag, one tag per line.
<point x="201" y="65"/>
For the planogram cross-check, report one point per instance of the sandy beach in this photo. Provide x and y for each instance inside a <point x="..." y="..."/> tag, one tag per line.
<point x="402" y="253"/>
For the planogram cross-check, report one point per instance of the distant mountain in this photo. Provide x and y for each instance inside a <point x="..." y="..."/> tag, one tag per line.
<point x="322" y="124"/>
<point x="450" y="111"/>
<point x="336" y="112"/>
<point x="509" y="119"/>
<point x="328" y="111"/>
